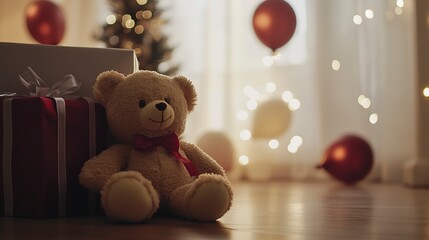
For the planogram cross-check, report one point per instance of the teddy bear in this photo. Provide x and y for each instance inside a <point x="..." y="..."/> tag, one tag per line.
<point x="152" y="170"/>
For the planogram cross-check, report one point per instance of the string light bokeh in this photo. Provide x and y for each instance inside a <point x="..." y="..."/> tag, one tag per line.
<point x="357" y="19"/>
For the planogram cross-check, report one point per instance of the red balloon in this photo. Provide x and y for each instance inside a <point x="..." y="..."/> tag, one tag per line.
<point x="274" y="22"/>
<point x="45" y="21"/>
<point x="349" y="159"/>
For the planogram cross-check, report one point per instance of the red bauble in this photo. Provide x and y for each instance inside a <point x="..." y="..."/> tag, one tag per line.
<point x="349" y="159"/>
<point x="274" y="22"/>
<point x="45" y="21"/>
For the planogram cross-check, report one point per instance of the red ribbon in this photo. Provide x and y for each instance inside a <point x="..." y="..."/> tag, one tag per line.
<point x="170" y="142"/>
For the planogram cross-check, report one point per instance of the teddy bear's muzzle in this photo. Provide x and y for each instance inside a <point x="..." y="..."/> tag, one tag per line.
<point x="156" y="116"/>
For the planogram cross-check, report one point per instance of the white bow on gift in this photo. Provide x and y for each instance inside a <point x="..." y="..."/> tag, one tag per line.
<point x="36" y="86"/>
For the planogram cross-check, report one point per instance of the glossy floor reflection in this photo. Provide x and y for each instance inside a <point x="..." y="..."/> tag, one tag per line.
<point x="274" y="210"/>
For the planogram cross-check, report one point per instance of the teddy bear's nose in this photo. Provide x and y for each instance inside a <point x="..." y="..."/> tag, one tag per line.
<point x="161" y="106"/>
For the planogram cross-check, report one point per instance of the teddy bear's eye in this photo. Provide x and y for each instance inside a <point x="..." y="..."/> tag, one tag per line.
<point x="167" y="100"/>
<point x="142" y="103"/>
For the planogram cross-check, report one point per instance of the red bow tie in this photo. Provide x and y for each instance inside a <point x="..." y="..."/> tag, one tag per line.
<point x="170" y="142"/>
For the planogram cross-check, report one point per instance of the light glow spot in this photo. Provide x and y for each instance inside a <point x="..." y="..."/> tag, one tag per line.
<point x="369" y="14"/>
<point x="111" y="19"/>
<point x="273" y="144"/>
<point x="361" y="98"/>
<point x="129" y="23"/>
<point x="141" y="2"/>
<point x="373" y="118"/>
<point x="139" y="14"/>
<point x="294" y="144"/>
<point x="252" y="104"/>
<point x="398" y="11"/>
<point x="336" y="65"/>
<point x="296" y="140"/>
<point x="357" y="19"/>
<point x="294" y="104"/>
<point x="400" y="3"/>
<point x="245" y="135"/>
<point x="242" y="115"/>
<point x="292" y="149"/>
<point x="247" y="90"/>
<point x="243" y="160"/>
<point x="426" y="92"/>
<point x="113" y="40"/>
<point x="139" y="29"/>
<point x="146" y="14"/>
<point x="270" y="87"/>
<point x="268" y="61"/>
<point x="366" y="103"/>
<point x="126" y="17"/>
<point x="251" y="92"/>
<point x="287" y="96"/>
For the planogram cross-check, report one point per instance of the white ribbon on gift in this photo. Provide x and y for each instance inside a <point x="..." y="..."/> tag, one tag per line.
<point x="38" y="87"/>
<point x="61" y="156"/>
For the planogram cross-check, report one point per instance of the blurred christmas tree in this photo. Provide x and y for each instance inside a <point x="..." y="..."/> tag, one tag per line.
<point x="136" y="24"/>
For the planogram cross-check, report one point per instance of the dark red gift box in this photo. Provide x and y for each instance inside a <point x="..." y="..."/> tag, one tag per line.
<point x="39" y="173"/>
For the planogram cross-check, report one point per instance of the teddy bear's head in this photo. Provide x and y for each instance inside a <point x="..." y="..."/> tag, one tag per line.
<point x="145" y="103"/>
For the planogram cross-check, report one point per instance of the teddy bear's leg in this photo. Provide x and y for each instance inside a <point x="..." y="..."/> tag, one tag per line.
<point x="128" y="196"/>
<point x="208" y="198"/>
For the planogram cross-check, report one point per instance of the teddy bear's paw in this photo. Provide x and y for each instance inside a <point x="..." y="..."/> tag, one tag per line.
<point x="210" y="199"/>
<point x="129" y="197"/>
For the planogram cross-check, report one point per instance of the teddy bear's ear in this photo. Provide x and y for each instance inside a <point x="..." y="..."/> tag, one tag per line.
<point x="105" y="84"/>
<point x="188" y="90"/>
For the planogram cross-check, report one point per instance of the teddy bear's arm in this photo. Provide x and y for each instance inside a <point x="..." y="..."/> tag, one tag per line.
<point x="97" y="170"/>
<point x="202" y="161"/>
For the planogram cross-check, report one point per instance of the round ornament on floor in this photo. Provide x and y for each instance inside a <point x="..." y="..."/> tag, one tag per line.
<point x="349" y="159"/>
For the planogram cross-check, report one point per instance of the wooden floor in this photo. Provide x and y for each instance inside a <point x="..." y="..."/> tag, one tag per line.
<point x="275" y="210"/>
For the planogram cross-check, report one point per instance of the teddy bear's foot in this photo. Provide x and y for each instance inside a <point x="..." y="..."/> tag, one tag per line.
<point x="210" y="198"/>
<point x="129" y="197"/>
<point x="206" y="199"/>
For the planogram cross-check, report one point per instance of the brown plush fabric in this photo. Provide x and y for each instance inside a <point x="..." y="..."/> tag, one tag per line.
<point x="153" y="105"/>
